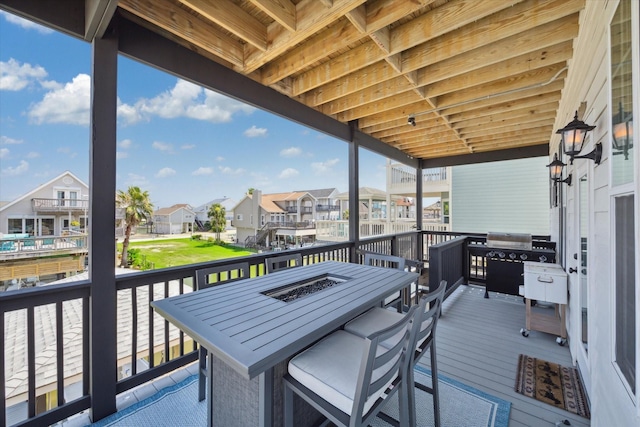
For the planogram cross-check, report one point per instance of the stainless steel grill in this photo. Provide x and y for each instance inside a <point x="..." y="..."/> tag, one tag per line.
<point x="514" y="241"/>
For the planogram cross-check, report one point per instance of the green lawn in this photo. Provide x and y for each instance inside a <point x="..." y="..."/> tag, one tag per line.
<point x="173" y="252"/>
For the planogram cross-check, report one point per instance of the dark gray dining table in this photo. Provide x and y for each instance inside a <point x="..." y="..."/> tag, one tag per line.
<point x="250" y="335"/>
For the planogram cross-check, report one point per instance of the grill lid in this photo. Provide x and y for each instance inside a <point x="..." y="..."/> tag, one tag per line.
<point x="520" y="241"/>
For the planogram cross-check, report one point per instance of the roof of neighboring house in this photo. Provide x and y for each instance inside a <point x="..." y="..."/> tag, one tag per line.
<point x="433" y="207"/>
<point x="223" y="201"/>
<point x="46" y="184"/>
<point x="172" y="209"/>
<point x="268" y="202"/>
<point x="323" y="192"/>
<point x="368" y="193"/>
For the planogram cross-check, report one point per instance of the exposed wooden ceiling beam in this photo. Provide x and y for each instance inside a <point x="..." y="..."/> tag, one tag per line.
<point x="282" y="11"/>
<point x="174" y="20"/>
<point x="233" y="19"/>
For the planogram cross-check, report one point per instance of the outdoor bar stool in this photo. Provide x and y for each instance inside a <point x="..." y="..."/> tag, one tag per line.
<point x="206" y="278"/>
<point x="348" y="378"/>
<point x="427" y="316"/>
<point x="283" y="262"/>
<point x="387" y="261"/>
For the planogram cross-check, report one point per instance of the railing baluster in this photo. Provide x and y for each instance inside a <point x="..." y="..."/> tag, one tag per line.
<point x="151" y="347"/>
<point x="134" y="331"/>
<point x="60" y="353"/>
<point x="31" y="362"/>
<point x="166" y="326"/>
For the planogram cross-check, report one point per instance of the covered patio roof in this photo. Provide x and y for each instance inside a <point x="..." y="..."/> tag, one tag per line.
<point x="426" y="82"/>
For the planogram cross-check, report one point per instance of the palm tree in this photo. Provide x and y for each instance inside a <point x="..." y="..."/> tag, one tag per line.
<point x="217" y="219"/>
<point x="137" y="206"/>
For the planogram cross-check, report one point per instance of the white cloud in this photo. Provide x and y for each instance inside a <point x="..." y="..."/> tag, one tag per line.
<point x="7" y="140"/>
<point x="32" y="155"/>
<point x="202" y="171"/>
<point x="219" y="159"/>
<point x="321" y="168"/>
<point x="128" y="114"/>
<point x="288" y="173"/>
<point x="185" y="99"/>
<point x="137" y="180"/>
<point x="23" y="167"/>
<point x="230" y="171"/>
<point x="4" y="152"/>
<point x="125" y="143"/>
<point x="121" y="154"/>
<point x="165" y="172"/>
<point x="66" y="104"/>
<point x="25" y="23"/>
<point x="188" y="146"/>
<point x="291" y="152"/>
<point x="15" y="76"/>
<point x="162" y="146"/>
<point x="254" y="132"/>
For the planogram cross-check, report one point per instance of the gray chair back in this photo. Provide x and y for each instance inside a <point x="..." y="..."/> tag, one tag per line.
<point x="283" y="262"/>
<point x="213" y="276"/>
<point x="382" y="260"/>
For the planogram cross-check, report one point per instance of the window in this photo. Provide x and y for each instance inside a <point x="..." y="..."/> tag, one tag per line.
<point x="623" y="187"/>
<point x="239" y="217"/>
<point x="15" y="225"/>
<point x="73" y="195"/>
<point x="60" y="198"/>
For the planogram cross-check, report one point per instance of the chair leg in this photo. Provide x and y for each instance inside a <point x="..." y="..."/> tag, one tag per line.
<point x="434" y="384"/>
<point x="202" y="378"/>
<point x="288" y="406"/>
<point x="407" y="399"/>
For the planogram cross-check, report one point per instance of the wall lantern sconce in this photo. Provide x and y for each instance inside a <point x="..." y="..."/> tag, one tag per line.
<point x="622" y="133"/>
<point x="573" y="136"/>
<point x="555" y="171"/>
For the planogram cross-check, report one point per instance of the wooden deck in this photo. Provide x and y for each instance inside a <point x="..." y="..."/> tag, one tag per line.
<point x="478" y="343"/>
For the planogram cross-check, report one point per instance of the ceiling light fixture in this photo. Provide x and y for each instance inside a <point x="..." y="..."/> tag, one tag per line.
<point x="411" y="121"/>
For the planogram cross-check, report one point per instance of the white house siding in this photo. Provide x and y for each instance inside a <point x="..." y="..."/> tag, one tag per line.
<point x="509" y="196"/>
<point x="588" y="81"/>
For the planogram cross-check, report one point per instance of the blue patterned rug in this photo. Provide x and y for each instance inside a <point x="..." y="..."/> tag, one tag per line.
<point x="460" y="405"/>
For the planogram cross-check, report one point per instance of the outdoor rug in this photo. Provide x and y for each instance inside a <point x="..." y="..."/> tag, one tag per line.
<point x="553" y="384"/>
<point x="460" y="405"/>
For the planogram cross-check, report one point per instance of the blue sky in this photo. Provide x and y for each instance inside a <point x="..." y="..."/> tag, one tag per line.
<point x="176" y="140"/>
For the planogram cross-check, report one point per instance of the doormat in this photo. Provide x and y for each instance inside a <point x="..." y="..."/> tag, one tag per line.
<point x="553" y="384"/>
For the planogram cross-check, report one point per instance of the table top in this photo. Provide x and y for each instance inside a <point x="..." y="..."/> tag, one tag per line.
<point x="252" y="332"/>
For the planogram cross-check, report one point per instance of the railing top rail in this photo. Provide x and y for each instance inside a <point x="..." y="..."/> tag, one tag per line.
<point x="42" y="295"/>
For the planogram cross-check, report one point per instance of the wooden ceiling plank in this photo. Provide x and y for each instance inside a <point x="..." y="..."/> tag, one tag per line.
<point x="233" y="19"/>
<point x="508" y="23"/>
<point x="452" y="14"/>
<point x="508" y="125"/>
<point x="408" y="132"/>
<point x="358" y="17"/>
<point x="528" y="97"/>
<point x="558" y="31"/>
<point x="514" y="135"/>
<point x="529" y="42"/>
<point x="175" y="20"/>
<point x="311" y="17"/>
<point x="514" y="112"/>
<point x="503" y="70"/>
<point x="282" y="11"/>
<point x="513" y="84"/>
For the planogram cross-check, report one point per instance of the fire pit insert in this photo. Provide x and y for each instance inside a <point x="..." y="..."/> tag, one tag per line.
<point x="294" y="291"/>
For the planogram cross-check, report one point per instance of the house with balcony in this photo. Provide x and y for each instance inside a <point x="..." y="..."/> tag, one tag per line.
<point x="277" y="219"/>
<point x="477" y="82"/>
<point x="175" y="219"/>
<point x="51" y="219"/>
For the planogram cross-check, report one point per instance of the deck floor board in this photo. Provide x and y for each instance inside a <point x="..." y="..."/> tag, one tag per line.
<point x="478" y="343"/>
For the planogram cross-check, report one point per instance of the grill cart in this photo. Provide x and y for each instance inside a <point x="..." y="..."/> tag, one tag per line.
<point x="545" y="282"/>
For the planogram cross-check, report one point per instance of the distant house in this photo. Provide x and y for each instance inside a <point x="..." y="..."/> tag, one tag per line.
<point x="261" y="219"/>
<point x="202" y="211"/>
<point x="175" y="219"/>
<point x="48" y="210"/>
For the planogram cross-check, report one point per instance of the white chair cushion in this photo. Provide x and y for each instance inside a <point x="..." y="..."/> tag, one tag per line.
<point x="331" y="367"/>
<point x="377" y="319"/>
